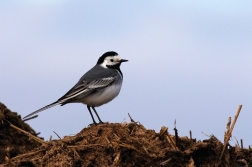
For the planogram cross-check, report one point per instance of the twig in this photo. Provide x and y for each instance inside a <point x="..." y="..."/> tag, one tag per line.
<point x="123" y="120"/>
<point x="205" y="134"/>
<point x="89" y="145"/>
<point x="27" y="133"/>
<point x="165" y="162"/>
<point x="243" y="161"/>
<point x="117" y="138"/>
<point x="171" y="142"/>
<point x="56" y="134"/>
<point x="127" y="146"/>
<point x="146" y="151"/>
<point x="229" y="123"/>
<point x="76" y="155"/>
<point x="230" y="131"/>
<point x="163" y="132"/>
<point x="117" y="158"/>
<point x="27" y="154"/>
<point x="241" y="144"/>
<point x="132" y="120"/>
<point x="237" y="142"/>
<point x="190" y="132"/>
<point x="108" y="141"/>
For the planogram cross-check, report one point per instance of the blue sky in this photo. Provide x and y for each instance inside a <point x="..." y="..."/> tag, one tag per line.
<point x="189" y="61"/>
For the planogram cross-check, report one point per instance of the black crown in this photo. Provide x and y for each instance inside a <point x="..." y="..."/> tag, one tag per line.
<point x="101" y="59"/>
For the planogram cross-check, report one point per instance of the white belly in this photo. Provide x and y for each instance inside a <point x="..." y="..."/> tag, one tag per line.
<point x="103" y="96"/>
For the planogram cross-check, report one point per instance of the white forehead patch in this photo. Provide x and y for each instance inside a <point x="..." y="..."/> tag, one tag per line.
<point x="107" y="61"/>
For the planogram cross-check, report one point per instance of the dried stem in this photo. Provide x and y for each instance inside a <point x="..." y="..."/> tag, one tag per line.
<point x="171" y="142"/>
<point x="229" y="132"/>
<point x="237" y="142"/>
<point x="56" y="134"/>
<point x="165" y="162"/>
<point x="132" y="120"/>
<point x="127" y="146"/>
<point x="163" y="132"/>
<point x="206" y="134"/>
<point x="27" y="133"/>
<point x="89" y="145"/>
<point x="27" y="154"/>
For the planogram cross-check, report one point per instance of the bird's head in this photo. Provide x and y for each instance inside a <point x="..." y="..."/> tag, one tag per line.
<point x="110" y="60"/>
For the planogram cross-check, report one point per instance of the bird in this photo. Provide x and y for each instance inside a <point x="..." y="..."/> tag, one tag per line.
<point x="96" y="87"/>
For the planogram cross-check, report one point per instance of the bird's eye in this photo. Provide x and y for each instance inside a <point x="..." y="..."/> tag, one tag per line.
<point x="112" y="60"/>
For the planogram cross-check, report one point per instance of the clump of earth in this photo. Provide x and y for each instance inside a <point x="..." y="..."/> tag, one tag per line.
<point x="112" y="144"/>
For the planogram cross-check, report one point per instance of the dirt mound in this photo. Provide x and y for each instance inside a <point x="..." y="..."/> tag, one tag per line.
<point x="131" y="145"/>
<point x="12" y="142"/>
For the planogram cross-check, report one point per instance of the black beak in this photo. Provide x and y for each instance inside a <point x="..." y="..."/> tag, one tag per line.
<point x="123" y="60"/>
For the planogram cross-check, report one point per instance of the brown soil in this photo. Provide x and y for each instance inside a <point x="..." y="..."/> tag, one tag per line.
<point x="12" y="142"/>
<point x="126" y="144"/>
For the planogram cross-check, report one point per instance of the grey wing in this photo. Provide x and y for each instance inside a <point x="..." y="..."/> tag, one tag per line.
<point x="84" y="88"/>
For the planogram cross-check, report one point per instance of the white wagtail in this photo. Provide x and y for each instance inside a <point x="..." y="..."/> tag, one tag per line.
<point x="98" y="86"/>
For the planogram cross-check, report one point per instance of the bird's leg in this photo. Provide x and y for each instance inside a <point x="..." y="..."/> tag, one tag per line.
<point x="94" y="123"/>
<point x="100" y="121"/>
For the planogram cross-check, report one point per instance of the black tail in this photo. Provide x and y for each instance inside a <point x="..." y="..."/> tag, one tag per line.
<point x="44" y="108"/>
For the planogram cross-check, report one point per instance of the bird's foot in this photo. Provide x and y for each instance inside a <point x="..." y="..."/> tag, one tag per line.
<point x="93" y="124"/>
<point x="102" y="122"/>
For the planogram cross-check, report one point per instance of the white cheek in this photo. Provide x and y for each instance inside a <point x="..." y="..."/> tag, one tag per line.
<point x="104" y="64"/>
